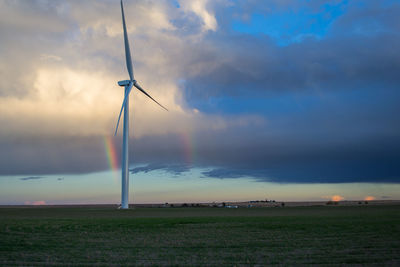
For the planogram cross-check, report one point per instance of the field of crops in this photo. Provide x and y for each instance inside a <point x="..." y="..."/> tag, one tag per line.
<point x="200" y="236"/>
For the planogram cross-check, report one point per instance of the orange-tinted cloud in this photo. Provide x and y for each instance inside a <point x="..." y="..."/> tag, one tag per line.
<point x="337" y="198"/>
<point x="35" y="203"/>
<point x="369" y="198"/>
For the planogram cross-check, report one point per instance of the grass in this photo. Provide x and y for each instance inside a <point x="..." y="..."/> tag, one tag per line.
<point x="353" y="235"/>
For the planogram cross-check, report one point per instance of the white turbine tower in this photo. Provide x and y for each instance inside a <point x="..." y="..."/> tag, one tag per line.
<point x="128" y="84"/>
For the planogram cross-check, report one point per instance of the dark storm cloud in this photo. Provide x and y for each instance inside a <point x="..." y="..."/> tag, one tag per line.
<point x="175" y="169"/>
<point x="348" y="134"/>
<point x="274" y="158"/>
<point x="51" y="155"/>
<point x="31" y="178"/>
<point x="228" y="173"/>
<point x="284" y="160"/>
<point x="253" y="65"/>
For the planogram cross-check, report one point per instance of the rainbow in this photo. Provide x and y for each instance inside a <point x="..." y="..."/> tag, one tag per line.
<point x="188" y="147"/>
<point x="111" y="153"/>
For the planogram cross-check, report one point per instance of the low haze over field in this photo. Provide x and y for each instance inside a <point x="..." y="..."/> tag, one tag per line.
<point x="294" y="100"/>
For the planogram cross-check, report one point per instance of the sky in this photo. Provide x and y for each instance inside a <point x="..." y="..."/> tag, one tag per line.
<point x="290" y="100"/>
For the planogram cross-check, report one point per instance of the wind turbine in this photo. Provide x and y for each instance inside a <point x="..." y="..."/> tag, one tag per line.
<point x="128" y="84"/>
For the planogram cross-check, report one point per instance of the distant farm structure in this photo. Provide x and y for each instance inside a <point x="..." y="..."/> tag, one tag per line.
<point x="269" y="204"/>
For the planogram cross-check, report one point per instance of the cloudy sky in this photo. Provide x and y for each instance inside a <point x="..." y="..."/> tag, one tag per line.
<point x="264" y="97"/>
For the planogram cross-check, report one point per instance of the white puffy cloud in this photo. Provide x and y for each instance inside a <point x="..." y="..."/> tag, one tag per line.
<point x="65" y="78"/>
<point x="200" y="8"/>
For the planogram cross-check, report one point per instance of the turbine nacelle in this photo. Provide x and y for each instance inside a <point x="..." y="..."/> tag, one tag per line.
<point x="125" y="82"/>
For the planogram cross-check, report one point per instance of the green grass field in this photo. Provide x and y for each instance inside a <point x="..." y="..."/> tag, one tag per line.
<point x="351" y="235"/>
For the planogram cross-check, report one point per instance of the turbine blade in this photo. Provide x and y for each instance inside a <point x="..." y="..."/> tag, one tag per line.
<point x="144" y="92"/>
<point x="127" y="49"/>
<point x="123" y="106"/>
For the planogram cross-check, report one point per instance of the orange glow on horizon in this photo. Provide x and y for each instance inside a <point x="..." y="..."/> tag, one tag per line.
<point x="369" y="198"/>
<point x="35" y="203"/>
<point x="337" y="198"/>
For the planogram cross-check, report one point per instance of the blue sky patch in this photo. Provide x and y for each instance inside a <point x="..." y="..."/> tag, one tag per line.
<point x="290" y="26"/>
